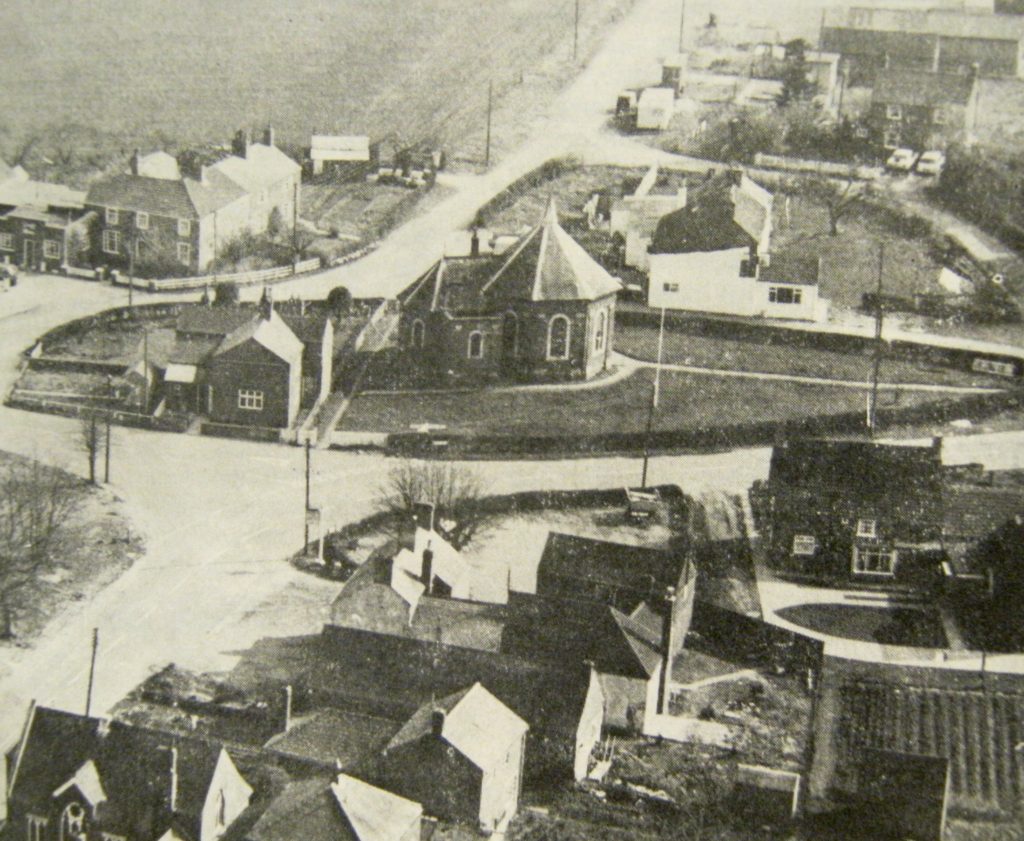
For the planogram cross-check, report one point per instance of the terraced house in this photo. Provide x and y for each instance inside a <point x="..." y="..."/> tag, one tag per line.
<point x="156" y="220"/>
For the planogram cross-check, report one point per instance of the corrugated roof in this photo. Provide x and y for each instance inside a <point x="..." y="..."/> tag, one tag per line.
<point x="913" y="88"/>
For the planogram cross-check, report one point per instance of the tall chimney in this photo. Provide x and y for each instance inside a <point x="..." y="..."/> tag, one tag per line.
<point x="135" y="162"/>
<point x="428" y="570"/>
<point x="474" y="244"/>
<point x="437" y="723"/>
<point x="667" y="644"/>
<point x="268" y="136"/>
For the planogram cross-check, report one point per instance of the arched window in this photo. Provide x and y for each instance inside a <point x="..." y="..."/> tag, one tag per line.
<point x="475" y="348"/>
<point x="419" y="332"/>
<point x="72" y="822"/>
<point x="558" y="337"/>
<point x="602" y="320"/>
<point x="510" y="336"/>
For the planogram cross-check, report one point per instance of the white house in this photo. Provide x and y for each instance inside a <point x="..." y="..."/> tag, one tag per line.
<point x="331" y="150"/>
<point x="714" y="256"/>
<point x="655" y="109"/>
<point x="635" y="217"/>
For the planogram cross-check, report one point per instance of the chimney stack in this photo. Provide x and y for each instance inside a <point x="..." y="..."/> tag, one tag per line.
<point x="267" y="304"/>
<point x="240" y="145"/>
<point x="135" y="162"/>
<point x="667" y="644"/>
<point x="937" y="444"/>
<point x="428" y="570"/>
<point x="437" y="723"/>
<point x="268" y="136"/>
<point x="474" y="244"/>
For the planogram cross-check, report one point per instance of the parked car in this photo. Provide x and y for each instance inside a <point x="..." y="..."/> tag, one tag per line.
<point x="931" y="163"/>
<point x="902" y="160"/>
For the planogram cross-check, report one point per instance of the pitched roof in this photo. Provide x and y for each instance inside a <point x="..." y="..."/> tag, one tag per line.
<point x="157" y="196"/>
<point x="375" y="814"/>
<point x="913" y="88"/>
<point x="973" y="512"/>
<point x="212" y="193"/>
<point x="87" y="781"/>
<point x="708" y="222"/>
<point x="272" y="333"/>
<point x="791" y="268"/>
<point x="476" y="724"/>
<point x="262" y="167"/>
<point x="580" y="631"/>
<point x="334" y="736"/>
<point x="40" y="194"/>
<point x="950" y="23"/>
<point x="213" y="320"/>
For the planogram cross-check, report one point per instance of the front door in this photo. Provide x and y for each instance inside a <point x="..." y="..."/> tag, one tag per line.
<point x="29" y="254"/>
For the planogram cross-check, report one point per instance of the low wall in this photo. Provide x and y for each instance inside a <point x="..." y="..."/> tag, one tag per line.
<point x="91" y="322"/>
<point x="174" y="284"/>
<point x="75" y="410"/>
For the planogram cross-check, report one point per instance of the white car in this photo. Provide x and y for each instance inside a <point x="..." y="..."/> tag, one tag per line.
<point x="902" y="160"/>
<point x="931" y="163"/>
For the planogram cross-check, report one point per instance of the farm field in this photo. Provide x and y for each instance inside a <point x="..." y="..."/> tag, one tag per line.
<point x="688" y="401"/>
<point x="194" y="70"/>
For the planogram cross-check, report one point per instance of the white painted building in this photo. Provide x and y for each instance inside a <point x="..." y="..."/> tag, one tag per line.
<point x="636" y="216"/>
<point x="714" y="256"/>
<point x="655" y="109"/>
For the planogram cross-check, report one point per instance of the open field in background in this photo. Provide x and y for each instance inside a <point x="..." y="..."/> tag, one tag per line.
<point x="688" y="401"/>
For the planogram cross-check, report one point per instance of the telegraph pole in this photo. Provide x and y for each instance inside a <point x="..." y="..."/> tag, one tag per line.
<point x="655" y="393"/>
<point x="92" y="669"/>
<point x="490" y="103"/>
<point x="295" y="223"/>
<point x="576" y="31"/>
<point x="145" y="370"/>
<point x="305" y="516"/>
<point x="682" y="25"/>
<point x="877" y="363"/>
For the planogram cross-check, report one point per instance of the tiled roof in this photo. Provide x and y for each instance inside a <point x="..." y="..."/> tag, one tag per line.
<point x="214" y="320"/>
<point x="913" y="88"/>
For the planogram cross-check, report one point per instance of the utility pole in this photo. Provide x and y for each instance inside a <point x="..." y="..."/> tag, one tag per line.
<point x="145" y="370"/>
<point x="92" y="670"/>
<point x="655" y="393"/>
<point x="490" y="102"/>
<point x="682" y="25"/>
<point x="295" y="224"/>
<point x="877" y="364"/>
<point x="305" y="516"/>
<point x="131" y="266"/>
<point x="576" y="31"/>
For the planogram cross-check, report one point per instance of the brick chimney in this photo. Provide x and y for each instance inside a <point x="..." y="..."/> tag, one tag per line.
<point x="427" y="572"/>
<point x="437" y="723"/>
<point x="240" y="145"/>
<point x="267" y="304"/>
<point x="667" y="644"/>
<point x="269" y="136"/>
<point x="135" y="162"/>
<point x="474" y="244"/>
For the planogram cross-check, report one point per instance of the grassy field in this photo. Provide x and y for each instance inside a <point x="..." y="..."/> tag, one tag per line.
<point x="888" y="626"/>
<point x="688" y="401"/>
<point x="687" y="348"/>
<point x="195" y="70"/>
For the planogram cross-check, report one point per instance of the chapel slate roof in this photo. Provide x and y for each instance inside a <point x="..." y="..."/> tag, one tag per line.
<point x="912" y="88"/>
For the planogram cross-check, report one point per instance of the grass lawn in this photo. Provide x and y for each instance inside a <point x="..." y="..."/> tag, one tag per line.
<point x="692" y="348"/>
<point x="888" y="626"/>
<point x="688" y="401"/>
<point x="118" y="341"/>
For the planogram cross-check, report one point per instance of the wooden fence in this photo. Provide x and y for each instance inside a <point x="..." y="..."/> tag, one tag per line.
<point x="173" y="284"/>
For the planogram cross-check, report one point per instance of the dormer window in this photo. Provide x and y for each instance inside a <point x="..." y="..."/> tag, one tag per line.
<point x="867" y="527"/>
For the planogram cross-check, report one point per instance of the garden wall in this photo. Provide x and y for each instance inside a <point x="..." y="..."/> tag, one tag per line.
<point x="75" y="410"/>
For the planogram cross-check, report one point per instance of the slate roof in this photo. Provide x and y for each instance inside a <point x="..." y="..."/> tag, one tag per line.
<point x="214" y="320"/>
<point x="974" y="512"/>
<point x="262" y="167"/>
<point x="591" y="560"/>
<point x="791" y="268"/>
<point x="579" y="631"/>
<point x="344" y="810"/>
<point x="330" y="736"/>
<point x="395" y="676"/>
<point x="476" y="724"/>
<point x="913" y="88"/>
<point x="131" y="765"/>
<point x="706" y="223"/>
<point x="157" y="196"/>
<point x="545" y="265"/>
<point x="272" y="333"/>
<point x="213" y="193"/>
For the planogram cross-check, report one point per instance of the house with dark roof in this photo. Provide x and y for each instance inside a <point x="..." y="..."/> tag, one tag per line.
<point x="462" y="757"/>
<point x="923" y="110"/>
<point x="153" y="217"/>
<point x="634" y="217"/>
<point x="933" y="40"/>
<point x="543" y="310"/>
<point x="72" y="776"/>
<point x="714" y="254"/>
<point x="344" y="809"/>
<point x="856" y="512"/>
<point x="40" y="223"/>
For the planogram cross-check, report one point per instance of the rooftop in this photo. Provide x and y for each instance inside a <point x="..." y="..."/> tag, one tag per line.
<point x="946" y="22"/>
<point x="330" y="736"/>
<point x="915" y="88"/>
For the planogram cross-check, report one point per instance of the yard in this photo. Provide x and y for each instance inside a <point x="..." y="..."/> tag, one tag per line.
<point x="885" y="625"/>
<point x="687" y="402"/>
<point x="692" y="343"/>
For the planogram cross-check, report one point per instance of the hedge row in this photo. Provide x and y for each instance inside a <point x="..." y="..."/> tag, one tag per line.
<point x="547" y="171"/>
<point x="728" y="436"/>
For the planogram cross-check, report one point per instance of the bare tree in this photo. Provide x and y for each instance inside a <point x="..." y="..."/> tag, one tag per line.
<point x="35" y="504"/>
<point x="455" y="491"/>
<point x="90" y="438"/>
<point x="838" y="199"/>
